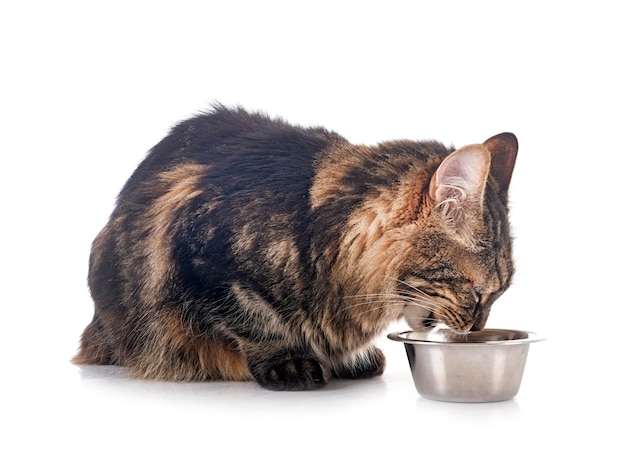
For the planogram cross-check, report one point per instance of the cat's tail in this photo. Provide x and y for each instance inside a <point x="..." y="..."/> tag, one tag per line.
<point x="93" y="345"/>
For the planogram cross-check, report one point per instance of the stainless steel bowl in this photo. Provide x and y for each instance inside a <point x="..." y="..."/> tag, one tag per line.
<point x="480" y="366"/>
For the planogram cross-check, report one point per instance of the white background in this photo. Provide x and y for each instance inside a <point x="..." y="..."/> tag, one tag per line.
<point x="87" y="88"/>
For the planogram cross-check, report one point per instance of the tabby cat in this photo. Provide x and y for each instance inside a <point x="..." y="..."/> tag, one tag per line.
<point x="246" y="248"/>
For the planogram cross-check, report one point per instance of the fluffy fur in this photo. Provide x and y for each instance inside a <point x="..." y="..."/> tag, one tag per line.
<point x="245" y="248"/>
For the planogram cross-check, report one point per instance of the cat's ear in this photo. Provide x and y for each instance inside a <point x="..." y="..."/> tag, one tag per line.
<point x="503" y="150"/>
<point x="458" y="188"/>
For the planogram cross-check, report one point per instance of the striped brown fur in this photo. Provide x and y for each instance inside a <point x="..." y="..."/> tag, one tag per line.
<point x="245" y="248"/>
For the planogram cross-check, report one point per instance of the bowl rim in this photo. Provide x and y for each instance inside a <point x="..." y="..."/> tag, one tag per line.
<point x="400" y="336"/>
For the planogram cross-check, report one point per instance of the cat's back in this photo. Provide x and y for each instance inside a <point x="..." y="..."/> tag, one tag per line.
<point x="237" y="150"/>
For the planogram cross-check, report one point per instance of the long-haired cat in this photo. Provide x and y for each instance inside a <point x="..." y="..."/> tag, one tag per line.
<point x="246" y="248"/>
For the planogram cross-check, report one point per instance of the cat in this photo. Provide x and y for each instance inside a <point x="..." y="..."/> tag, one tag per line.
<point x="246" y="248"/>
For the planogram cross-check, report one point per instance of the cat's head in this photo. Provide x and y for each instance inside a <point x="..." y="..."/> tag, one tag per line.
<point x="460" y="260"/>
<point x="430" y="235"/>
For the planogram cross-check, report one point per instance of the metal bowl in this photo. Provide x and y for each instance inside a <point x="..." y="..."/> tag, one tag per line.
<point x="479" y="366"/>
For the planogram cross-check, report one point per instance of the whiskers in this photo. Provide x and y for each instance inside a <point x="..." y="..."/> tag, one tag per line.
<point x="419" y="307"/>
<point x="374" y="302"/>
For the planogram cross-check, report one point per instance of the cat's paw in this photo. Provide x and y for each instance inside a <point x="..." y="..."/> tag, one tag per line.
<point x="290" y="374"/>
<point x="365" y="366"/>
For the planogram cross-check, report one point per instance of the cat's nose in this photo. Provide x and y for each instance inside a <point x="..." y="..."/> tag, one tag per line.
<point x="480" y="318"/>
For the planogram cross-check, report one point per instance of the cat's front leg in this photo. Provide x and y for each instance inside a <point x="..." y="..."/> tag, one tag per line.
<point x="286" y="370"/>
<point x="365" y="365"/>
